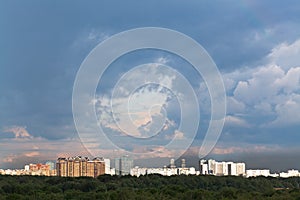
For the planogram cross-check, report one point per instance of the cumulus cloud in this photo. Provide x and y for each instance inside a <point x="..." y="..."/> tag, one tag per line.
<point x="234" y="106"/>
<point x="139" y="104"/>
<point x="142" y="114"/>
<point x="260" y="87"/>
<point x="270" y="90"/>
<point x="286" y="55"/>
<point x="287" y="112"/>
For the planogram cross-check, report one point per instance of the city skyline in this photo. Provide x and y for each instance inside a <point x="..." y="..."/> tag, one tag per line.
<point x="80" y="166"/>
<point x="255" y="46"/>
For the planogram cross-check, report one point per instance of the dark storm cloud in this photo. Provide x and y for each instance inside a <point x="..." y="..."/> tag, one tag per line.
<point x="39" y="60"/>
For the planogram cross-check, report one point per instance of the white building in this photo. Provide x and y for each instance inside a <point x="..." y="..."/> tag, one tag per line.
<point x="213" y="167"/>
<point x="26" y="167"/>
<point x="136" y="171"/>
<point x="257" y="172"/>
<point x="107" y="166"/>
<point x="187" y="171"/>
<point x="289" y="173"/>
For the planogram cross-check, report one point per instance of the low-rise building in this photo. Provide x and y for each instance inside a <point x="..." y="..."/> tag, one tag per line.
<point x="289" y="173"/>
<point x="257" y="172"/>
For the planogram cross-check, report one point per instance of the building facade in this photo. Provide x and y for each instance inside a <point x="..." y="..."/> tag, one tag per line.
<point x="257" y="172"/>
<point x="212" y="167"/>
<point x="80" y="166"/>
<point x="123" y="165"/>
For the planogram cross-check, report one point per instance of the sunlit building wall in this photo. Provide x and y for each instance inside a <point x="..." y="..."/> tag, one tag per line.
<point x="80" y="166"/>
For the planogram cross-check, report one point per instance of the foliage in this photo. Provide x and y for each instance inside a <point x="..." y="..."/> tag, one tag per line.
<point x="148" y="187"/>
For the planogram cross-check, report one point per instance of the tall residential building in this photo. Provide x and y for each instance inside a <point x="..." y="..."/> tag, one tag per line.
<point x="172" y="163"/>
<point x="107" y="166"/>
<point x="123" y="165"/>
<point x="99" y="166"/>
<point x="213" y="167"/>
<point x="80" y="166"/>
<point x="62" y="167"/>
<point x="183" y="165"/>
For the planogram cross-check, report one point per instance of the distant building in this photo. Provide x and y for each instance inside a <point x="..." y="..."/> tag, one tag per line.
<point x="62" y="167"/>
<point x="257" y="172"/>
<point x="172" y="163"/>
<point x="107" y="166"/>
<point x="26" y="167"/>
<point x="123" y="165"/>
<point x="51" y="165"/>
<point x="183" y="165"/>
<point x="289" y="173"/>
<point x="136" y="171"/>
<point x="212" y="167"/>
<point x="80" y="166"/>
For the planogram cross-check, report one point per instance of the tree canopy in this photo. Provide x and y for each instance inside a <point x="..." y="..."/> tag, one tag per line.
<point x="148" y="187"/>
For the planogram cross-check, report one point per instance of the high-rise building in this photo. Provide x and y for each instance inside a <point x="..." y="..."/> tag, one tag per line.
<point x="172" y="163"/>
<point x="99" y="166"/>
<point x="80" y="166"/>
<point x="62" y="167"/>
<point x="213" y="167"/>
<point x="107" y="166"/>
<point x="123" y="165"/>
<point x="183" y="165"/>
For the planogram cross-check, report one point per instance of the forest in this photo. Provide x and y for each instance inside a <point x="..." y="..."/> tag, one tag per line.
<point x="148" y="187"/>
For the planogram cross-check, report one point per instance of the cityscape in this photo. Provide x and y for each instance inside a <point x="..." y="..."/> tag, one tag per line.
<point x="150" y="100"/>
<point x="80" y="166"/>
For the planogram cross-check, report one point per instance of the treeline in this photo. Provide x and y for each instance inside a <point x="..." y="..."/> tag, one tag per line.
<point x="148" y="187"/>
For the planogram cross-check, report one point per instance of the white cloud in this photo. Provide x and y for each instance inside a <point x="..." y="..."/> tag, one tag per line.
<point x="235" y="121"/>
<point x="140" y="116"/>
<point x="97" y="36"/>
<point x="234" y="106"/>
<point x="260" y="87"/>
<point x="268" y="90"/>
<point x="20" y="132"/>
<point x="177" y="135"/>
<point x="90" y="38"/>
<point x="32" y="154"/>
<point x="287" y="112"/>
<point x="139" y="104"/>
<point x="162" y="60"/>
<point x="286" y="55"/>
<point x="290" y="82"/>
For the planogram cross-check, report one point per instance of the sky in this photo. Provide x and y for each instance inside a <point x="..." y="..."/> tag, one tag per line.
<point x="254" y="44"/>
